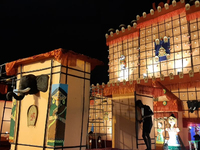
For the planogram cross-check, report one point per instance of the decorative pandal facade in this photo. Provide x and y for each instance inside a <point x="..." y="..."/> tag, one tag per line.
<point x="56" y="118"/>
<point x="157" y="57"/>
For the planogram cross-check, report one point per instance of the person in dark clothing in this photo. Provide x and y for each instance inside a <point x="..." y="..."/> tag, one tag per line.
<point x="147" y="122"/>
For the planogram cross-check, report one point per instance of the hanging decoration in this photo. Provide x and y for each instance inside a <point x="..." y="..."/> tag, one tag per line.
<point x="159" y="8"/>
<point x="181" y="75"/>
<point x="152" y="12"/>
<point x="166" y="6"/>
<point x="162" y="49"/>
<point x="106" y="35"/>
<point x="124" y="82"/>
<point x="103" y="85"/>
<point x="138" y="80"/>
<point x="187" y="6"/>
<point x="174" y="3"/>
<point x="129" y="27"/>
<point x="144" y="14"/>
<point x="122" y="62"/>
<point x="196" y="3"/>
<point x="146" y="79"/>
<point x="171" y="76"/>
<point x="138" y="17"/>
<point x="108" y="83"/>
<point x="57" y="115"/>
<point x="191" y="73"/>
<point x="131" y="81"/>
<point x="113" y="83"/>
<point x="162" y="77"/>
<point x="117" y="31"/>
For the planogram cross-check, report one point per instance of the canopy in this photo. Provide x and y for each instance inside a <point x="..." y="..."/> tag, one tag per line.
<point x="65" y="57"/>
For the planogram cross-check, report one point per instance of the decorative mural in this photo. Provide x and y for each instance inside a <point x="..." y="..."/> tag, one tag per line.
<point x="162" y="49"/>
<point x="57" y="115"/>
<point x="12" y="121"/>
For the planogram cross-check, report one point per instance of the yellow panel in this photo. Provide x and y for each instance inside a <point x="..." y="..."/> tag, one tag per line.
<point x="195" y="43"/>
<point x="194" y="35"/>
<point x="183" y="96"/>
<point x="196" y="60"/>
<point x="176" y="31"/>
<point x="37" y="65"/>
<point x="148" y="31"/>
<point x="192" y="96"/>
<point x="193" y="27"/>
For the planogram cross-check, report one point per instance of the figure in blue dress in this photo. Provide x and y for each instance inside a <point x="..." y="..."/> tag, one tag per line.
<point x="162" y="49"/>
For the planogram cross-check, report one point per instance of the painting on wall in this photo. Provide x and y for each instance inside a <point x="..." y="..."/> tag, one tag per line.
<point x="12" y="121"/>
<point x="57" y="115"/>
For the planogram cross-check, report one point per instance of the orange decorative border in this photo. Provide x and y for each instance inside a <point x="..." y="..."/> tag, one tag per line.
<point x="65" y="57"/>
<point x="120" y="39"/>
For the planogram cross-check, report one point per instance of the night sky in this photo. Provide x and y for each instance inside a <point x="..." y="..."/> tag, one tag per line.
<point x="31" y="27"/>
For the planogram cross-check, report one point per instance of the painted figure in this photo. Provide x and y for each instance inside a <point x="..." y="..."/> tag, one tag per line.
<point x="162" y="49"/>
<point x="57" y="115"/>
<point x="12" y="121"/>
<point x="147" y="122"/>
<point x="173" y="142"/>
<point x="160" y="139"/>
<point x="123" y="62"/>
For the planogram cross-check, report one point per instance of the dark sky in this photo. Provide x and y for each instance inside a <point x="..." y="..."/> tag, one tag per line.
<point x="30" y="27"/>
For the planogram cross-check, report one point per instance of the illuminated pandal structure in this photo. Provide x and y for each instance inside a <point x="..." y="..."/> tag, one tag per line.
<point x="157" y="56"/>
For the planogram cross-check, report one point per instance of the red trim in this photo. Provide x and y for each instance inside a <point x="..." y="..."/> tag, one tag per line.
<point x="64" y="57"/>
<point x="193" y="16"/>
<point x="189" y="121"/>
<point x="125" y="37"/>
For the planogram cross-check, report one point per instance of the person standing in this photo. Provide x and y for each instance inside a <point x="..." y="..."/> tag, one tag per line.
<point x="147" y="122"/>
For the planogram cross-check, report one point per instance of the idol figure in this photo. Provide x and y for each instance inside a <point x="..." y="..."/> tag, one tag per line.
<point x="173" y="142"/>
<point x="160" y="138"/>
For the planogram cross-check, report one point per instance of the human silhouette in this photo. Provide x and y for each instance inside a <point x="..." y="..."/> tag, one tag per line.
<point x="147" y="122"/>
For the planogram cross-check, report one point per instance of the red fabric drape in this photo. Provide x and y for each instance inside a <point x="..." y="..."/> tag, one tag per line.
<point x="193" y="16"/>
<point x="129" y="36"/>
<point x="3" y="88"/>
<point x="60" y="55"/>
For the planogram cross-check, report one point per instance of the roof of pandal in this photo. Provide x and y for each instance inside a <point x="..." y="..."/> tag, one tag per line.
<point x="65" y="57"/>
<point x="192" y="12"/>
